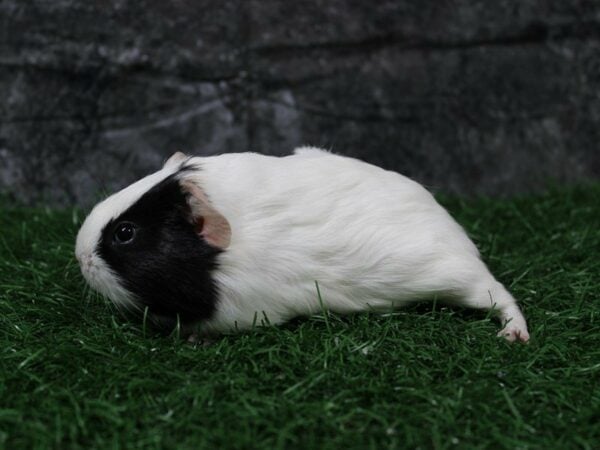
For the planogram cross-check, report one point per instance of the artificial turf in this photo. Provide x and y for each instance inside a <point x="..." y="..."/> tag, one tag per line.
<point x="74" y="374"/>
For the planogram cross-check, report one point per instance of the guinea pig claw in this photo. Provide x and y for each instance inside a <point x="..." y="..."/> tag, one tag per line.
<point x="514" y="334"/>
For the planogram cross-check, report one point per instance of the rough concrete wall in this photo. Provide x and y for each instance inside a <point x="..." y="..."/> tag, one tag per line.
<point x="466" y="96"/>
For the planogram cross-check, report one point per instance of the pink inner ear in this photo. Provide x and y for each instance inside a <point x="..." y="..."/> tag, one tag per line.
<point x="207" y="221"/>
<point x="216" y="231"/>
<point x="199" y="224"/>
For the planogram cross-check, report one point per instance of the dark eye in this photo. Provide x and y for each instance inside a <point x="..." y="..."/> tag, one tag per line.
<point x="124" y="233"/>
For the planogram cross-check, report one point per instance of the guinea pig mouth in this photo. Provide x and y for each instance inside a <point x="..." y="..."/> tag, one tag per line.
<point x="101" y="278"/>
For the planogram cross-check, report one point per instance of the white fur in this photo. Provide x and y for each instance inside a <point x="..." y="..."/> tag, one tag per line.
<point x="372" y="239"/>
<point x="94" y="269"/>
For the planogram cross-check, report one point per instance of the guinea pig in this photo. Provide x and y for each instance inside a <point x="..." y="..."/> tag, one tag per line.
<point x="218" y="244"/>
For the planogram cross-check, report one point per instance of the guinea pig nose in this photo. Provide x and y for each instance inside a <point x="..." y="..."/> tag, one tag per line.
<point x="84" y="259"/>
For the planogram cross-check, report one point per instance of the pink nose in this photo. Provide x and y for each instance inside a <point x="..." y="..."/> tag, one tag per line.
<point x="84" y="260"/>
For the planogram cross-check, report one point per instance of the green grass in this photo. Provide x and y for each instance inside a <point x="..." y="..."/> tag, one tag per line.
<point x="73" y="374"/>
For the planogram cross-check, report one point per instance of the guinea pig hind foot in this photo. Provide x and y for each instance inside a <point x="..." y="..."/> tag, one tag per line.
<point x="514" y="326"/>
<point x="494" y="296"/>
<point x="514" y="334"/>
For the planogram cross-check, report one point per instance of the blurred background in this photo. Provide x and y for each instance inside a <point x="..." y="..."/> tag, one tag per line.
<point x="468" y="97"/>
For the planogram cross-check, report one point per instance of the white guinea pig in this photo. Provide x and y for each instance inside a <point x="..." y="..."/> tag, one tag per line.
<point x="214" y="243"/>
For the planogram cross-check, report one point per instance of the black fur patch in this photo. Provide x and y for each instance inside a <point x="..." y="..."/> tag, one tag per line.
<point x="167" y="266"/>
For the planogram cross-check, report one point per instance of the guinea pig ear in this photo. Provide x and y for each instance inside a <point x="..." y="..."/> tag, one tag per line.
<point x="208" y="222"/>
<point x="176" y="158"/>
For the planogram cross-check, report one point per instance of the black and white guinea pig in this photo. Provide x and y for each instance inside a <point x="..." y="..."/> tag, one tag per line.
<point x="213" y="243"/>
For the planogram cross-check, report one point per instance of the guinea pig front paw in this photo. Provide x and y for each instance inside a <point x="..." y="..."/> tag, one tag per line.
<point x="200" y="341"/>
<point x="514" y="333"/>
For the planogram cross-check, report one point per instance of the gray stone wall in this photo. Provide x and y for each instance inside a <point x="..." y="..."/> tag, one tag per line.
<point x="466" y="96"/>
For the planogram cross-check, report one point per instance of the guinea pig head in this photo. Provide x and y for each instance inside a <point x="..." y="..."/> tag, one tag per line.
<point x="154" y="245"/>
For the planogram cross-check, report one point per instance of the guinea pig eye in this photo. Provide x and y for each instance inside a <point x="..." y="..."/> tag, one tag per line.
<point x="124" y="233"/>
